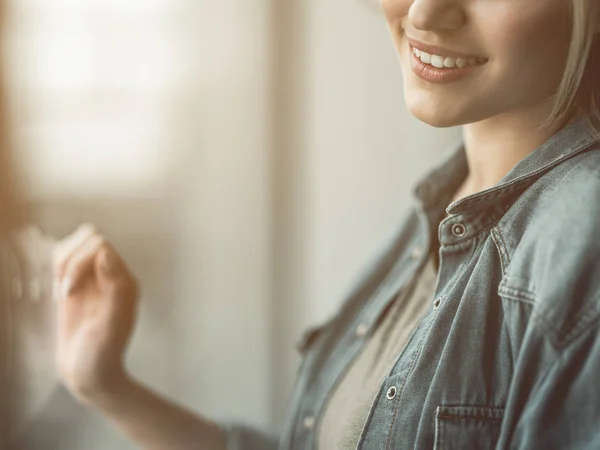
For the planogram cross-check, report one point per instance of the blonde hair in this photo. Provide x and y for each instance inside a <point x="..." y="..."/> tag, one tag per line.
<point x="579" y="91"/>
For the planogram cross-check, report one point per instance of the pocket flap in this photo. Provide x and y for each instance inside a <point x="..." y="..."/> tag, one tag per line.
<point x="465" y="427"/>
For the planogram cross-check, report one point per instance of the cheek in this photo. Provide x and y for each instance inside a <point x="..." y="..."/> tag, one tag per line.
<point x="530" y="45"/>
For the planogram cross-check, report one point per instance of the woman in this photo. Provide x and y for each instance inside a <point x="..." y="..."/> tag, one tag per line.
<point x="478" y="326"/>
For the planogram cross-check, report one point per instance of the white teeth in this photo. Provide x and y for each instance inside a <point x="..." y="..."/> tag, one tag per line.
<point x="426" y="57"/>
<point x="437" y="61"/>
<point x="446" y="61"/>
<point x="449" y="62"/>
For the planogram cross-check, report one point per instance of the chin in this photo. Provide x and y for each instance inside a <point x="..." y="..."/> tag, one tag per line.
<point x="434" y="112"/>
<point x="436" y="117"/>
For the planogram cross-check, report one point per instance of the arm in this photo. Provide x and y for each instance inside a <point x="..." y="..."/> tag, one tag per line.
<point x="97" y="308"/>
<point x="156" y="424"/>
<point x="153" y="422"/>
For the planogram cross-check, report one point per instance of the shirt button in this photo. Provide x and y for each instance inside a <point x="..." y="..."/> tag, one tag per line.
<point x="362" y="330"/>
<point x="459" y="230"/>
<point x="391" y="393"/>
<point x="437" y="303"/>
<point x="417" y="252"/>
<point x="308" y="423"/>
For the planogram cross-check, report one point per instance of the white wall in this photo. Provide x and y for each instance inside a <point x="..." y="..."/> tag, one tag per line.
<point x="197" y="233"/>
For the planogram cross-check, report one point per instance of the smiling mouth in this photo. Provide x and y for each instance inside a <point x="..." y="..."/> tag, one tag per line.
<point x="440" y="69"/>
<point x="446" y="62"/>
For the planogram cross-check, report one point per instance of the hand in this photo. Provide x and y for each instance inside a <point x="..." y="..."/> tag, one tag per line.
<point x="97" y="298"/>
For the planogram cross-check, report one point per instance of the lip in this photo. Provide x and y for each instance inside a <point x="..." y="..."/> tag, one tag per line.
<point x="432" y="74"/>
<point x="435" y="50"/>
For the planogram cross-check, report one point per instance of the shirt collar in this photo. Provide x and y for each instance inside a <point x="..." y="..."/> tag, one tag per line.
<point x="437" y="186"/>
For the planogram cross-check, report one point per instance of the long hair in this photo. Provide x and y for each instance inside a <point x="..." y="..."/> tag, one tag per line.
<point x="579" y="91"/>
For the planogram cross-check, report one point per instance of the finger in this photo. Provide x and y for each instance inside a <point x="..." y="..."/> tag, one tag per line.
<point x="113" y="274"/>
<point x="66" y="244"/>
<point x="80" y="265"/>
<point x="64" y="250"/>
<point x="110" y="264"/>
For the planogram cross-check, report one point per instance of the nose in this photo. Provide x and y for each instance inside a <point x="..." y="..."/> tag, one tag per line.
<point x="432" y="15"/>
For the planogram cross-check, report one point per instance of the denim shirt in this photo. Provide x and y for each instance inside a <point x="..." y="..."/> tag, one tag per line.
<point x="508" y="354"/>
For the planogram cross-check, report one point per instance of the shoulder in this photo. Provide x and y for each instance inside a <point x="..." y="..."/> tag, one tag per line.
<point x="559" y="212"/>
<point x="565" y="208"/>
<point x="554" y="247"/>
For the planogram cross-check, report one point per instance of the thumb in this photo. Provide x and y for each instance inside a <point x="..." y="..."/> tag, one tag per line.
<point x="109" y="264"/>
<point x="113" y="274"/>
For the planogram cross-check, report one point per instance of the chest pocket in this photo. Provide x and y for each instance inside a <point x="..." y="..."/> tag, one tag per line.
<point x="467" y="427"/>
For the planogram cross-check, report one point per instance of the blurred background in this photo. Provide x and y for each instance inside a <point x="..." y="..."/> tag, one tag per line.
<point x="247" y="158"/>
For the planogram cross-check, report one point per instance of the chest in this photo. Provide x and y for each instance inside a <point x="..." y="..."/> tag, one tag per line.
<point x="455" y="365"/>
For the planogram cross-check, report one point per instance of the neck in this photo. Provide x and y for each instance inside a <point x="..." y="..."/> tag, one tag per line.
<point x="495" y="145"/>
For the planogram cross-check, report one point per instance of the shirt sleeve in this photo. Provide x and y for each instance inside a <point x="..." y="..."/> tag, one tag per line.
<point x="562" y="410"/>
<point x="240" y="437"/>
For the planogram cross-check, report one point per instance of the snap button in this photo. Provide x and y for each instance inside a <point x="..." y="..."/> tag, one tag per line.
<point x="417" y="252"/>
<point x="362" y="330"/>
<point x="437" y="303"/>
<point x="308" y="422"/>
<point x="459" y="230"/>
<point x="391" y="393"/>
